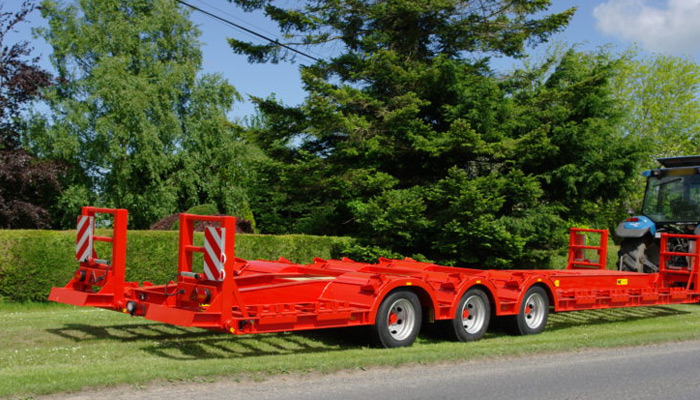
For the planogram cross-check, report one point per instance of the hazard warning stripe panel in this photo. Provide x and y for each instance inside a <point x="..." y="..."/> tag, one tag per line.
<point x="84" y="239"/>
<point x="214" y="257"/>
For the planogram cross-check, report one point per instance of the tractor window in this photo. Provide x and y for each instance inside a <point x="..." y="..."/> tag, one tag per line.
<point x="673" y="198"/>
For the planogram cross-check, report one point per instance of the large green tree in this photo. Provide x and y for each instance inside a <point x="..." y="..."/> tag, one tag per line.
<point x="658" y="98"/>
<point x="410" y="141"/>
<point x="658" y="95"/>
<point x="130" y="113"/>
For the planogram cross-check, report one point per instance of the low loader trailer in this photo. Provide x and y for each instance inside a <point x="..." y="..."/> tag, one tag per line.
<point x="392" y="297"/>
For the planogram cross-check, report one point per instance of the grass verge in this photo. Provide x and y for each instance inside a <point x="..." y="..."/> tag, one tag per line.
<point x="53" y="348"/>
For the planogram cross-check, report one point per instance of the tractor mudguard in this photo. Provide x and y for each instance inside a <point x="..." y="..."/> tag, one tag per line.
<point x="636" y="227"/>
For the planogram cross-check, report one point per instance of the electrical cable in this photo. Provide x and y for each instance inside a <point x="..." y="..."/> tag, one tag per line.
<point x="250" y="31"/>
<point x="221" y="12"/>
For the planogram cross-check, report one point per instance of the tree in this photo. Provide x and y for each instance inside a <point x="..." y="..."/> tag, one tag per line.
<point x="28" y="186"/>
<point x="351" y="142"/>
<point x="658" y="96"/>
<point x="585" y="160"/>
<point x="218" y="165"/>
<point x="20" y="77"/>
<point x="130" y="114"/>
<point x="408" y="140"/>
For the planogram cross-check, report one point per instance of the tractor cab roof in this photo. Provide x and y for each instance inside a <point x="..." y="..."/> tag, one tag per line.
<point x="683" y="165"/>
<point x="682" y="161"/>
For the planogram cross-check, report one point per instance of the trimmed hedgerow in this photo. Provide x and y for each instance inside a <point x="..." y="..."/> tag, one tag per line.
<point x="33" y="261"/>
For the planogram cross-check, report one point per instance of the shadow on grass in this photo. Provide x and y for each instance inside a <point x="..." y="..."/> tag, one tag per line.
<point x="129" y="332"/>
<point x="596" y="317"/>
<point x="179" y="343"/>
<point x="240" y="347"/>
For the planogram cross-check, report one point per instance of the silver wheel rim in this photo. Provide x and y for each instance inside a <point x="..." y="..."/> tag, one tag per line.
<point x="401" y="319"/>
<point x="535" y="310"/>
<point x="473" y="314"/>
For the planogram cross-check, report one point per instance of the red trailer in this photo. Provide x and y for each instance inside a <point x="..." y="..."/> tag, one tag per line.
<point x="392" y="297"/>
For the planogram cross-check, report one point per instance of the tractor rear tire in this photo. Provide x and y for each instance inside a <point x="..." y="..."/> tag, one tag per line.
<point x="633" y="255"/>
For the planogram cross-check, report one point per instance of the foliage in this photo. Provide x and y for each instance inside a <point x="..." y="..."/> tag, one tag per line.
<point x="409" y="141"/>
<point x="131" y="116"/>
<point x="585" y="161"/>
<point x="20" y="77"/>
<point x="421" y="29"/>
<point x="245" y="219"/>
<point x="28" y="186"/>
<point x="203" y="209"/>
<point x="33" y="261"/>
<point x="28" y="189"/>
<point x="658" y="96"/>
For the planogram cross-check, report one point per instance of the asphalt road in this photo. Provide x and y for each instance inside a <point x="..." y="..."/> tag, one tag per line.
<point x="666" y="371"/>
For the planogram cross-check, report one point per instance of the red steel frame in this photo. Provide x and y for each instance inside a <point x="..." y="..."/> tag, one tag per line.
<point x="99" y="283"/>
<point x="271" y="296"/>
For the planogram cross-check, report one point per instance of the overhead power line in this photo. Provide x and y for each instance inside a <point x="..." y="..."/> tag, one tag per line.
<point x="225" y="14"/>
<point x="250" y="31"/>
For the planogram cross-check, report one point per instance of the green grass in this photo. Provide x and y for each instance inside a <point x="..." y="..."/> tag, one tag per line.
<point x="49" y="348"/>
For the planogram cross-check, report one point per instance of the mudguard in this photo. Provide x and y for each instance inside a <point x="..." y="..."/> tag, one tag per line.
<point x="636" y="229"/>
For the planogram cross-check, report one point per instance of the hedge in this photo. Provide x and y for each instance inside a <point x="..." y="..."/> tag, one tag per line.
<point x="33" y="261"/>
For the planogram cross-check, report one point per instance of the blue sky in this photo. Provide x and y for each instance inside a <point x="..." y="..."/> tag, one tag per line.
<point x="667" y="26"/>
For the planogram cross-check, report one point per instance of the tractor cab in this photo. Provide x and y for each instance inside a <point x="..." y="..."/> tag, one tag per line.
<point x="671" y="204"/>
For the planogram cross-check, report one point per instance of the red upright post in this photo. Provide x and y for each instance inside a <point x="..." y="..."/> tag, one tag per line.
<point x="184" y="262"/>
<point x="118" y="281"/>
<point x="228" y="287"/>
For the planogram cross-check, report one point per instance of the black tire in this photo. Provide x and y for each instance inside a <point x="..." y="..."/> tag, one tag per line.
<point x="638" y="255"/>
<point x="398" y="320"/>
<point x="533" y="314"/>
<point x="471" y="320"/>
<point x="631" y="255"/>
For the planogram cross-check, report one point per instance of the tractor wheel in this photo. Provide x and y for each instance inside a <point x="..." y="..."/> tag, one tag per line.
<point x="633" y="256"/>
<point x="398" y="320"/>
<point x="471" y="319"/>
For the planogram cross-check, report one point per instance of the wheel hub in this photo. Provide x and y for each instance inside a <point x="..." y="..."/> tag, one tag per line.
<point x="401" y="319"/>
<point x="473" y="314"/>
<point x="393" y="318"/>
<point x="535" y="310"/>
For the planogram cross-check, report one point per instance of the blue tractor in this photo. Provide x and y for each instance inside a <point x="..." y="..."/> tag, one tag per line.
<point x="671" y="204"/>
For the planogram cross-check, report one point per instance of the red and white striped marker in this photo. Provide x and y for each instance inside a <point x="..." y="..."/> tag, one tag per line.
<point x="83" y="242"/>
<point x="214" y="256"/>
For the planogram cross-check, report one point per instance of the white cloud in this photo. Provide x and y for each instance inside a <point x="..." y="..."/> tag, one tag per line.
<point x="673" y="29"/>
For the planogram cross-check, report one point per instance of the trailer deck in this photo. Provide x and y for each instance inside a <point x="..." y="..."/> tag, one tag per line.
<point x="392" y="297"/>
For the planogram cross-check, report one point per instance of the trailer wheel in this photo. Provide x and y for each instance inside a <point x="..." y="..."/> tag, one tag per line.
<point x="533" y="314"/>
<point x="471" y="319"/>
<point x="398" y="320"/>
